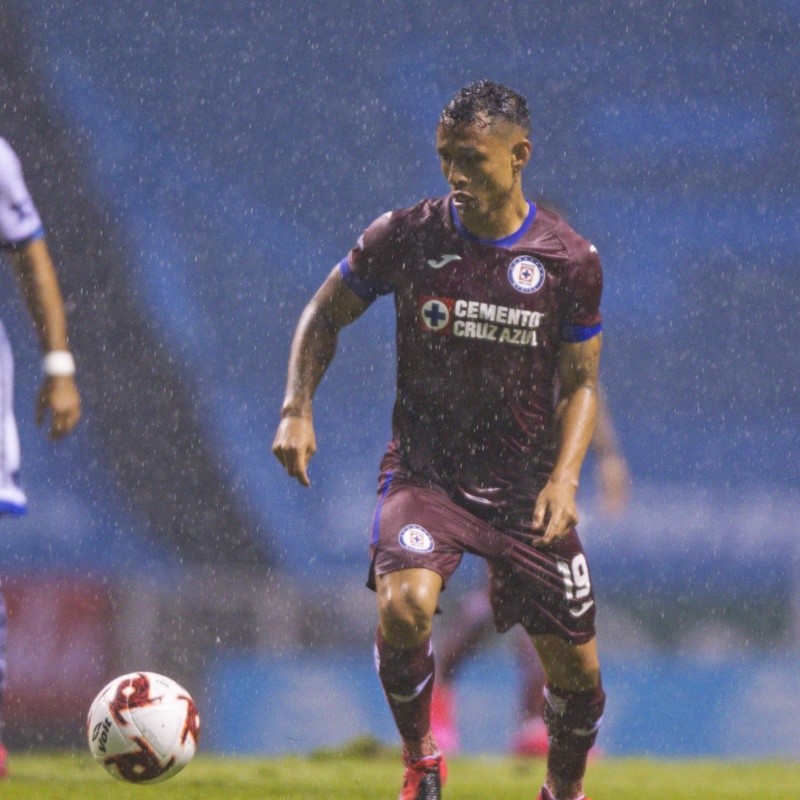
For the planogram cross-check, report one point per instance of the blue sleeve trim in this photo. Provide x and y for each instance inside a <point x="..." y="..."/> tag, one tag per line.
<point x="376" y="520"/>
<point x="20" y="243"/>
<point x="7" y="507"/>
<point x="368" y="292"/>
<point x="579" y="333"/>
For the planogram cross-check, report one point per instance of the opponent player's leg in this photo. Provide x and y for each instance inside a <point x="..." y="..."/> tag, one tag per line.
<point x="471" y="621"/>
<point x="574" y="702"/>
<point x="530" y="738"/>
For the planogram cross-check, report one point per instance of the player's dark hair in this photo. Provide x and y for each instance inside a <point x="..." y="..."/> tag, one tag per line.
<point x="486" y="100"/>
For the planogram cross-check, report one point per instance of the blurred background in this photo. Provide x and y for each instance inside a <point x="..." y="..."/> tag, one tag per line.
<point x="200" y="166"/>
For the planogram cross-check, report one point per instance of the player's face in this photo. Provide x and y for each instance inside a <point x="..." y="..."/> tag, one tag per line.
<point x="483" y="164"/>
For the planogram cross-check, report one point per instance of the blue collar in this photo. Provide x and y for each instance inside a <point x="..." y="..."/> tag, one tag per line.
<point x="506" y="241"/>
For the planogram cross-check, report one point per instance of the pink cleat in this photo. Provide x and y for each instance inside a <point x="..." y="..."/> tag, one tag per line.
<point x="3" y="761"/>
<point x="530" y="740"/>
<point x="443" y="718"/>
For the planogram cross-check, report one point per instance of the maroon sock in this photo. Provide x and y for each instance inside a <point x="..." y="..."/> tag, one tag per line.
<point x="407" y="678"/>
<point x="573" y="719"/>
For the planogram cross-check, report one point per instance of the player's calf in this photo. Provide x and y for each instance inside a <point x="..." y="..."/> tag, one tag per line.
<point x="407" y="675"/>
<point x="573" y="720"/>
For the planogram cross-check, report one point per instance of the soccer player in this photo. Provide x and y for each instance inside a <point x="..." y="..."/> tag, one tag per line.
<point x="22" y="237"/>
<point x="472" y="621"/>
<point x="495" y="302"/>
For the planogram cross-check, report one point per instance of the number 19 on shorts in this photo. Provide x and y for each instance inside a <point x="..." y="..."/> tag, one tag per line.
<point x="577" y="585"/>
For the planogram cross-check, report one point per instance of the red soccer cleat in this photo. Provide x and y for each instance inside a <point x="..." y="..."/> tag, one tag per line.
<point x="443" y="718"/>
<point x="424" y="778"/>
<point x="3" y="761"/>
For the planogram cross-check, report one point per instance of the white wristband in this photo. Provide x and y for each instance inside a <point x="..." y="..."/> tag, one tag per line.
<point x="58" y="364"/>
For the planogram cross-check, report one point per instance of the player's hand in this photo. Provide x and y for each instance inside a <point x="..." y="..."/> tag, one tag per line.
<point x="556" y="512"/>
<point x="295" y="443"/>
<point x="59" y="396"/>
<point x="614" y="483"/>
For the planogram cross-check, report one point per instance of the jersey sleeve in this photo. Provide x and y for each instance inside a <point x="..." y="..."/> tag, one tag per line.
<point x="368" y="267"/>
<point x="584" y="286"/>
<point x="19" y="219"/>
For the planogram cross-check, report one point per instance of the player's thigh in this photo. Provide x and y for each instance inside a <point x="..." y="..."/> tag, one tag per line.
<point x="416" y="527"/>
<point x="574" y="667"/>
<point x="548" y="591"/>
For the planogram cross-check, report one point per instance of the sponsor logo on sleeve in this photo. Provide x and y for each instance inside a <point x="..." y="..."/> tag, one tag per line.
<point x="416" y="539"/>
<point x="526" y="274"/>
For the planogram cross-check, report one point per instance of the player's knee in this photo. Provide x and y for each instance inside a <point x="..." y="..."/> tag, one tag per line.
<point x="406" y="615"/>
<point x="576" y="715"/>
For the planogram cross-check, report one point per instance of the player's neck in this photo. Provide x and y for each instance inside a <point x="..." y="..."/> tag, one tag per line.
<point x="499" y="222"/>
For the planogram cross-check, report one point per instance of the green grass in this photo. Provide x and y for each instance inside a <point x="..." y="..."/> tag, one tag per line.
<point x="341" y="776"/>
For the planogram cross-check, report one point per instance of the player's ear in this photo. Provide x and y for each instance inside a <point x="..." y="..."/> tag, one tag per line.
<point x="521" y="154"/>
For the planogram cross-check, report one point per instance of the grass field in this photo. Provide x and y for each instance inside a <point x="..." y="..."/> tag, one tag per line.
<point x="337" y="776"/>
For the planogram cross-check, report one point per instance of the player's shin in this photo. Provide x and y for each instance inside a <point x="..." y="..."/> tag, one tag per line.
<point x="406" y="675"/>
<point x="573" y="720"/>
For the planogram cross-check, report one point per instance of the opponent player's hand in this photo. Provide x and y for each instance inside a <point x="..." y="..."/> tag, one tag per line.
<point x="295" y="443"/>
<point x="59" y="395"/>
<point x="556" y="512"/>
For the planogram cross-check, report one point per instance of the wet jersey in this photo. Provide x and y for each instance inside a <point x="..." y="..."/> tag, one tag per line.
<point x="19" y="219"/>
<point x="479" y="325"/>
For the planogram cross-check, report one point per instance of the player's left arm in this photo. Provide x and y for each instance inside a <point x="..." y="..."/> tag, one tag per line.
<point x="556" y="511"/>
<point x="42" y="294"/>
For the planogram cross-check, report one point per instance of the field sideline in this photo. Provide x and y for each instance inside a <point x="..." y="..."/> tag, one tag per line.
<point x="335" y="776"/>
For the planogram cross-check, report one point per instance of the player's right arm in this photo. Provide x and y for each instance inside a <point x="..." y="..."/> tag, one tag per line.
<point x="40" y="288"/>
<point x="334" y="306"/>
<point x="21" y="233"/>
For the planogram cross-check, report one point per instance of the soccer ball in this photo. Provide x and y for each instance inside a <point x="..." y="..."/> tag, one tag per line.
<point x="143" y="727"/>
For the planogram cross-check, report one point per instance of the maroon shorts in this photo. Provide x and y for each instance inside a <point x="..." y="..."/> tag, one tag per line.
<point x="547" y="591"/>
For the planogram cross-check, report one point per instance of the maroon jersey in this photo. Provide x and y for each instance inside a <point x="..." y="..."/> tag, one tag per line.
<point x="479" y="324"/>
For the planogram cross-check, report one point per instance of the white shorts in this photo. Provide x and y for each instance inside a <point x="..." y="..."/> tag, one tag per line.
<point x="12" y="498"/>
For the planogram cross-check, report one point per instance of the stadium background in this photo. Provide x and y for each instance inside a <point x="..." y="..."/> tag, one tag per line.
<point x="200" y="167"/>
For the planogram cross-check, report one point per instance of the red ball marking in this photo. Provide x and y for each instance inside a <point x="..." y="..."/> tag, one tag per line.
<point x="141" y="765"/>
<point x="191" y="724"/>
<point x="133" y="693"/>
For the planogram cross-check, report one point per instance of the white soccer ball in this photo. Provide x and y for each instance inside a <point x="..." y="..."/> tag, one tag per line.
<point x="143" y="727"/>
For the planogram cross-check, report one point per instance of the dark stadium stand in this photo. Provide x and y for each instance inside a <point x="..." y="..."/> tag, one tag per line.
<point x="239" y="155"/>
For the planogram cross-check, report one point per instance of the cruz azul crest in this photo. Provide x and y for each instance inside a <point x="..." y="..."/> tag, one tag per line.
<point x="526" y="274"/>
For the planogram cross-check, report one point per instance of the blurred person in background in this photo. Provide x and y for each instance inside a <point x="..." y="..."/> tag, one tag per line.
<point x="496" y="303"/>
<point x="472" y="620"/>
<point x="22" y="239"/>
